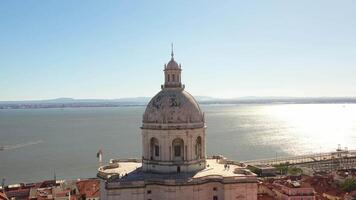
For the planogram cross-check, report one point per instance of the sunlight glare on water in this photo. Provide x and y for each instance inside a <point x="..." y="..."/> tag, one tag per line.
<point x="314" y="127"/>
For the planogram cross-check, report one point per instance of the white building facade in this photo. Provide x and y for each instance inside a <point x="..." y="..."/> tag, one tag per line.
<point x="174" y="164"/>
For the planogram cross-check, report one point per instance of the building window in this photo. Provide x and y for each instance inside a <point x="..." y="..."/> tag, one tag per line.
<point x="215" y="188"/>
<point x="215" y="197"/>
<point x="186" y="151"/>
<point x="178" y="149"/>
<point x="168" y="77"/>
<point x="173" y="78"/>
<point x="156" y="150"/>
<point x="177" y="152"/>
<point x="198" y="148"/>
<point x="170" y="152"/>
<point x="149" y="191"/>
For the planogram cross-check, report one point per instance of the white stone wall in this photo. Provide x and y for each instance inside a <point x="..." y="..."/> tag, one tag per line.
<point x="103" y="191"/>
<point x="242" y="191"/>
<point x="166" y="155"/>
<point x="247" y="191"/>
<point x="172" y="77"/>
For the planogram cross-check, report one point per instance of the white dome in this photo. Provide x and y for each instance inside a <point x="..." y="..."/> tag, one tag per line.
<point x="173" y="128"/>
<point x="173" y="106"/>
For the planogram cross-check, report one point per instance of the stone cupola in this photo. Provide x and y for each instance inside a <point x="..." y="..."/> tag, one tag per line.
<point x="172" y="73"/>
<point x="173" y="128"/>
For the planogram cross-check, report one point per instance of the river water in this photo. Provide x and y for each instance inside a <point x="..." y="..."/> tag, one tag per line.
<point x="40" y="141"/>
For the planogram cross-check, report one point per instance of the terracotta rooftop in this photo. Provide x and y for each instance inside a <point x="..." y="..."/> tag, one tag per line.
<point x="3" y="196"/>
<point x="18" y="194"/>
<point x="323" y="185"/>
<point x="335" y="192"/>
<point x="48" y="183"/>
<point x="294" y="184"/>
<point x="264" y="197"/>
<point x="90" y="188"/>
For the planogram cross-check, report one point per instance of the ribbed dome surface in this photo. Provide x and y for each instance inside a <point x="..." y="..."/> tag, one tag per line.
<point x="172" y="64"/>
<point x="173" y="106"/>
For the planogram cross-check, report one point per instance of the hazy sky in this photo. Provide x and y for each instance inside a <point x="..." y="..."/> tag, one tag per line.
<point x="113" y="49"/>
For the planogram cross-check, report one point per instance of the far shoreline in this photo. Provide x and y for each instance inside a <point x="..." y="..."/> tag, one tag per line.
<point x="23" y="106"/>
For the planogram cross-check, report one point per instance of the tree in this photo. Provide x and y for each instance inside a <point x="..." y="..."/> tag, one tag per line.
<point x="287" y="169"/>
<point x="295" y="171"/>
<point x="349" y="185"/>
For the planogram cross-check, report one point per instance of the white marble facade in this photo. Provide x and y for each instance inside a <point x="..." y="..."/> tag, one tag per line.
<point x="191" y="155"/>
<point x="206" y="191"/>
<point x="174" y="164"/>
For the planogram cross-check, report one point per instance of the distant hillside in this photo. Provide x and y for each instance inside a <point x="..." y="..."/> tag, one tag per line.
<point x="141" y="101"/>
<point x="283" y="100"/>
<point x="72" y="100"/>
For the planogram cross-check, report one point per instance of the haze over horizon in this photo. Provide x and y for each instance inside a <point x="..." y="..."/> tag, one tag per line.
<point x="91" y="102"/>
<point x="90" y="50"/>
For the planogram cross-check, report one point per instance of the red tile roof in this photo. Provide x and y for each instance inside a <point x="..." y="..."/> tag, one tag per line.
<point x="48" y="183"/>
<point x="18" y="194"/>
<point x="335" y="193"/>
<point x="264" y="197"/>
<point x="89" y="188"/>
<point x="3" y="196"/>
<point x="324" y="185"/>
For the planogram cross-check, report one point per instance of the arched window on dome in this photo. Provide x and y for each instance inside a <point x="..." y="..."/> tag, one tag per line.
<point x="173" y="78"/>
<point x="168" y="78"/>
<point x="178" y="149"/>
<point x="198" y="147"/>
<point x="154" y="149"/>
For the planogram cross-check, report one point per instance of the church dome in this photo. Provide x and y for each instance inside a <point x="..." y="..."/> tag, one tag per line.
<point x="172" y="64"/>
<point x="173" y="108"/>
<point x="173" y="128"/>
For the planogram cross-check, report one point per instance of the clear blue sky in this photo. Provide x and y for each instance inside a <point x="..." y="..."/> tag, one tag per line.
<point x="113" y="49"/>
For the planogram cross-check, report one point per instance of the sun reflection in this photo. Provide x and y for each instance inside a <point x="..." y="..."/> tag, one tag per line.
<point x="313" y="127"/>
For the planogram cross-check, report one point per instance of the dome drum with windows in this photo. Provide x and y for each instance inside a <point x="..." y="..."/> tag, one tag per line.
<point x="173" y="128"/>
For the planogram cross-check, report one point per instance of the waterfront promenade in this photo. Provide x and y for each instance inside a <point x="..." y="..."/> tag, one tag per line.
<point x="334" y="160"/>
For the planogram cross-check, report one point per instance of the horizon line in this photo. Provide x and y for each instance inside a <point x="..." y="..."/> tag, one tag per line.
<point x="196" y="96"/>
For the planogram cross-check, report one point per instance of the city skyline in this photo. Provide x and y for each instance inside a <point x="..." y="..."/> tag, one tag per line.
<point x="94" y="51"/>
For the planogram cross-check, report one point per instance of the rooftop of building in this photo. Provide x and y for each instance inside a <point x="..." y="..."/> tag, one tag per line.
<point x="294" y="184"/>
<point x="352" y="194"/>
<point x="54" y="189"/>
<point x="90" y="188"/>
<point x="20" y="193"/>
<point x="322" y="184"/>
<point x="3" y="196"/>
<point x="345" y="173"/>
<point x="129" y="172"/>
<point x="264" y="197"/>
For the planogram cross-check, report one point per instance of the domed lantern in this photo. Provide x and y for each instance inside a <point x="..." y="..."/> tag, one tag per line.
<point x="173" y="128"/>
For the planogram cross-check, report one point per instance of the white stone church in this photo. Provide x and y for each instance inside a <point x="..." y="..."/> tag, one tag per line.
<point x="174" y="164"/>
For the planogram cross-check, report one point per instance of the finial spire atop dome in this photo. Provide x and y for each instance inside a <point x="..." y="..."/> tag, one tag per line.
<point x="172" y="73"/>
<point x="172" y="54"/>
